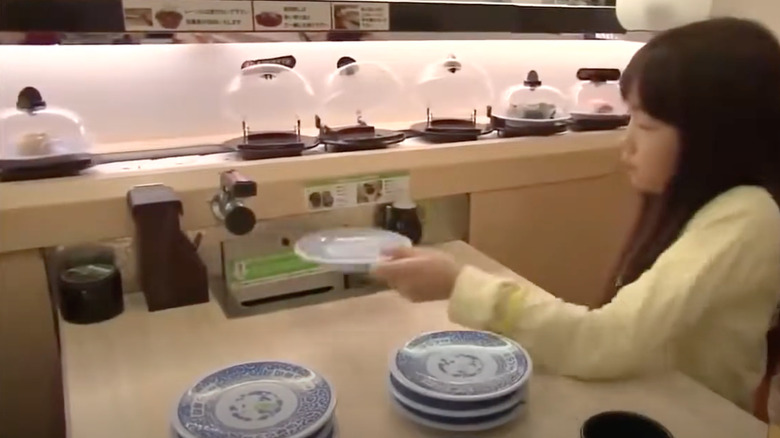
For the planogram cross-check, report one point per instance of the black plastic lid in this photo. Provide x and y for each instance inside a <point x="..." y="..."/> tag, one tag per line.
<point x="598" y="74"/>
<point x="30" y="99"/>
<point x="345" y="61"/>
<point x="532" y="80"/>
<point x="288" y="61"/>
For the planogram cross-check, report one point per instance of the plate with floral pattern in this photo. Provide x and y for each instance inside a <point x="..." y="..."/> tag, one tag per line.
<point x="257" y="400"/>
<point x="461" y="365"/>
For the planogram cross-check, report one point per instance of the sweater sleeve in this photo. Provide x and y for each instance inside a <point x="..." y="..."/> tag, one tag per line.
<point x="631" y="334"/>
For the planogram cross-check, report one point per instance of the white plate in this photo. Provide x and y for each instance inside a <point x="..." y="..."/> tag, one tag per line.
<point x="256" y="400"/>
<point x="596" y="116"/>
<point x="348" y="249"/>
<point x="520" y="396"/>
<point x="461" y="365"/>
<point x="497" y="421"/>
<point x="515" y="122"/>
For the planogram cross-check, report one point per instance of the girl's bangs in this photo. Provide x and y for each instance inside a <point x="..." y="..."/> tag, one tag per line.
<point x="631" y="75"/>
<point x="650" y="75"/>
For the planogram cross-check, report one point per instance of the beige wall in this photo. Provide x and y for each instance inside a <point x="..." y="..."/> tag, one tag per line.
<point x="765" y="11"/>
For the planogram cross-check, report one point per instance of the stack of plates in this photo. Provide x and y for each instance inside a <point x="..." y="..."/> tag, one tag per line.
<point x="257" y="400"/>
<point x="460" y="381"/>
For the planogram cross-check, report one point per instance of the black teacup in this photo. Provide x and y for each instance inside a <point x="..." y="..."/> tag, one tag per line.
<point x="618" y="424"/>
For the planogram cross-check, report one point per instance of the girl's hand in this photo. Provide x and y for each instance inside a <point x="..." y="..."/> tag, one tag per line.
<point x="419" y="274"/>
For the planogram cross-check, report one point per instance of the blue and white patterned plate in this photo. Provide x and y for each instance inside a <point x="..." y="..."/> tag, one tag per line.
<point x="449" y="424"/>
<point x="330" y="430"/>
<point x="257" y="400"/>
<point x="456" y="409"/>
<point x="461" y="365"/>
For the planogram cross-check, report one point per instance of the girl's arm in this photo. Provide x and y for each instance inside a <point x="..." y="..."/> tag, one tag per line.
<point x="729" y="244"/>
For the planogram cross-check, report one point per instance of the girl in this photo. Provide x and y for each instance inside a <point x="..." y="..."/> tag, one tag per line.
<point x="698" y="283"/>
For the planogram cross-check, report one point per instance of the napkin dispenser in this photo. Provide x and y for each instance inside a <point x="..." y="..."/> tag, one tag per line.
<point x="262" y="273"/>
<point x="170" y="270"/>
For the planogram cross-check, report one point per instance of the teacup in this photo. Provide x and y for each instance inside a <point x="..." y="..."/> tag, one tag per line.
<point x="621" y="424"/>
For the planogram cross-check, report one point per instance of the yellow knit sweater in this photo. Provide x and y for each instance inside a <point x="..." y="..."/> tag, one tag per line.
<point x="703" y="308"/>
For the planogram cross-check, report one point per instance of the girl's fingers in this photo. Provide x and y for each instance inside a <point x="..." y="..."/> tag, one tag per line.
<point x="399" y="252"/>
<point x="396" y="269"/>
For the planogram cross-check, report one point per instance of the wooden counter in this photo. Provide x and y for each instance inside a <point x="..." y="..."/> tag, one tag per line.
<point x="124" y="376"/>
<point x="537" y="204"/>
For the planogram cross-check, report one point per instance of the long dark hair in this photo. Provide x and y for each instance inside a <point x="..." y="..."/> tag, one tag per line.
<point x="718" y="83"/>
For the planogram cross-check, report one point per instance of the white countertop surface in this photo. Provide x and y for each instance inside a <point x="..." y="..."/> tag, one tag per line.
<point x="123" y="376"/>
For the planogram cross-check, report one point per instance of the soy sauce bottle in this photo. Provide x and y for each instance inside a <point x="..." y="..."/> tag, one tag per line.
<point x="403" y="218"/>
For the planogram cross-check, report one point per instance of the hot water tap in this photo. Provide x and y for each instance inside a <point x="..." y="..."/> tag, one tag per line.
<point x="228" y="205"/>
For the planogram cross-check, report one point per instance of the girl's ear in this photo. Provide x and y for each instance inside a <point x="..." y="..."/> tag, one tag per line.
<point x="658" y="15"/>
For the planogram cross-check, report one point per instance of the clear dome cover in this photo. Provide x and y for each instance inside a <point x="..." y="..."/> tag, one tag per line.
<point x="598" y="99"/>
<point x="358" y="90"/>
<point x="451" y="88"/>
<point x="532" y="101"/>
<point x="34" y="130"/>
<point x="269" y="96"/>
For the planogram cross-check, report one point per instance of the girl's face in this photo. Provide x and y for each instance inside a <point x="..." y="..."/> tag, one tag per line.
<point x="651" y="150"/>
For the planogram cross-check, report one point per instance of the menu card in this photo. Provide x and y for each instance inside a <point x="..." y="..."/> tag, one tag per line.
<point x="249" y="16"/>
<point x="188" y="16"/>
<point x="361" y="16"/>
<point x="296" y="16"/>
<point x="356" y="191"/>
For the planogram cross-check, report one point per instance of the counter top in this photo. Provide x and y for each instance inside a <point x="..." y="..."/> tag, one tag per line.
<point x="112" y="180"/>
<point x="122" y="377"/>
<point x="92" y="206"/>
